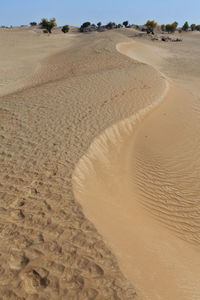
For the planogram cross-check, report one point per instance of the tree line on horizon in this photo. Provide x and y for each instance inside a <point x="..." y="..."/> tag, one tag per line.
<point x="48" y="24"/>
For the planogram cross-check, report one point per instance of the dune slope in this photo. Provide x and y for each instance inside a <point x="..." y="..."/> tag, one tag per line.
<point x="142" y="194"/>
<point x="49" y="249"/>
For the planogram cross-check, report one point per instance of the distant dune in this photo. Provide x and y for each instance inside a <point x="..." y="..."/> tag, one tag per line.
<point x="99" y="166"/>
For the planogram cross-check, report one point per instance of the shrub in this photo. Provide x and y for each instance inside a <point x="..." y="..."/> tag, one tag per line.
<point x="198" y="27"/>
<point x="48" y="24"/>
<point x="84" y="25"/>
<point x="185" y="26"/>
<point x="111" y="25"/>
<point x="151" y="24"/>
<point x="175" y="24"/>
<point x="33" y="23"/>
<point x="193" y="27"/>
<point x="45" y="31"/>
<point x="163" y="27"/>
<point x="125" y="23"/>
<point x="171" y="27"/>
<point x="99" y="24"/>
<point x="65" y="28"/>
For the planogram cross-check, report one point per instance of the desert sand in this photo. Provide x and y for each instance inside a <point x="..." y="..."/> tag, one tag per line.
<point x="148" y="178"/>
<point x="99" y="166"/>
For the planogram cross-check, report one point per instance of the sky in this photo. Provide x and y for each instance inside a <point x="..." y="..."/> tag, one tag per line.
<point x="22" y="12"/>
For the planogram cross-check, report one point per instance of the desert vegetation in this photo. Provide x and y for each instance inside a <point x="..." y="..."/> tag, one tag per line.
<point x="194" y="27"/>
<point x="48" y="25"/>
<point x="125" y="23"/>
<point x="151" y="25"/>
<point x="65" y="28"/>
<point x="170" y="28"/>
<point x="33" y="23"/>
<point x="185" y="26"/>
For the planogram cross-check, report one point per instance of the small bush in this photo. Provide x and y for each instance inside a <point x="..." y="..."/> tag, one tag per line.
<point x="193" y="27"/>
<point x="198" y="27"/>
<point x="125" y="23"/>
<point x="33" y="24"/>
<point x="65" y="28"/>
<point x="170" y="28"/>
<point x="111" y="25"/>
<point x="45" y="31"/>
<point x="163" y="27"/>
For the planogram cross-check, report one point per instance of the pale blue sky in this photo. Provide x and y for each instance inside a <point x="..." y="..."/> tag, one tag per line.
<point x="75" y="12"/>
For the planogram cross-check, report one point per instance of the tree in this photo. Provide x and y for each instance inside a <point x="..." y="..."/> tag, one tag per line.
<point x="163" y="27"/>
<point x="170" y="28"/>
<point x="33" y="23"/>
<point x="185" y="26"/>
<point x="193" y="27"/>
<point x="198" y="27"/>
<point x="65" y="28"/>
<point x="175" y="24"/>
<point x="125" y="23"/>
<point x="119" y="26"/>
<point x="99" y="24"/>
<point x="84" y="25"/>
<point x="151" y="25"/>
<point x="48" y="24"/>
<point x="111" y="25"/>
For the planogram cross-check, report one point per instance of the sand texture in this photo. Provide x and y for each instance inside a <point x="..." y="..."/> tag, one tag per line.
<point x="147" y="180"/>
<point x="99" y="167"/>
<point x="48" y="247"/>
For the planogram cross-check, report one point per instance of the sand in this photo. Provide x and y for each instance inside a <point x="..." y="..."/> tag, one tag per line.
<point x="147" y="182"/>
<point x="99" y="161"/>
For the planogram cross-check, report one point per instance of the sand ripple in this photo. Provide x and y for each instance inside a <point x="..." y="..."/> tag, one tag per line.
<point x="139" y="186"/>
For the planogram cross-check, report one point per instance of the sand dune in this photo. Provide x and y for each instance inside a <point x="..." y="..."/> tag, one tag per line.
<point x="48" y="247"/>
<point x="143" y="194"/>
<point x="22" y="53"/>
<point x="83" y="124"/>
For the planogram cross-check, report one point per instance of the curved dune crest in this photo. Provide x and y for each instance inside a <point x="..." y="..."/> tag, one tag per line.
<point x="118" y="187"/>
<point x="49" y="248"/>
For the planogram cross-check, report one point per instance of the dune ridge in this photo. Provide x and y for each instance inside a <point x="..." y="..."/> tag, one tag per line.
<point x="114" y="185"/>
<point x="49" y="248"/>
<point x="114" y="135"/>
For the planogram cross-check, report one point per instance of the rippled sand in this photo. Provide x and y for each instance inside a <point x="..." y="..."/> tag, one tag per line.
<point x="143" y="193"/>
<point x="50" y="113"/>
<point x="82" y="123"/>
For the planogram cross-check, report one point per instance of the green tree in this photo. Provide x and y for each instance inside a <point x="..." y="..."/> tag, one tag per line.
<point x="193" y="27"/>
<point x="163" y="27"/>
<point x="65" y="28"/>
<point x="84" y="25"/>
<point x="48" y="24"/>
<point x="170" y="28"/>
<point x="175" y="24"/>
<point x="151" y="25"/>
<point x="185" y="26"/>
<point x="198" y="27"/>
<point x="99" y="24"/>
<point x="110" y="25"/>
<point x="125" y="23"/>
